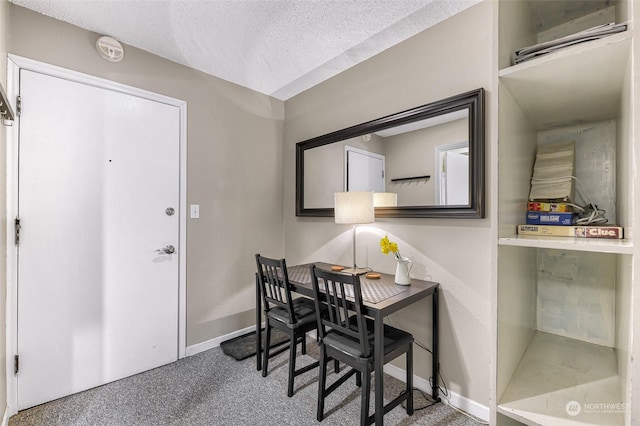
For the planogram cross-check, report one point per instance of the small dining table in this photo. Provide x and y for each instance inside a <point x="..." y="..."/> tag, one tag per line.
<point x="382" y="297"/>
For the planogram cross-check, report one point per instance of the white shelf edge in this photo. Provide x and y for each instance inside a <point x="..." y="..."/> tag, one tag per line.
<point x="597" y="245"/>
<point x="513" y="414"/>
<point x="566" y="52"/>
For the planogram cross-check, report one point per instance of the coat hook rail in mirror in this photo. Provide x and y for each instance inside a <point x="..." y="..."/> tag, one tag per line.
<point x="424" y="178"/>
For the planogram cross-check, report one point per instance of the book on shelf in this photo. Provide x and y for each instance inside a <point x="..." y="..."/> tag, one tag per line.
<point x="543" y="206"/>
<point x="553" y="172"/>
<point x="549" y="218"/>
<point x="594" y="33"/>
<point x="578" y="231"/>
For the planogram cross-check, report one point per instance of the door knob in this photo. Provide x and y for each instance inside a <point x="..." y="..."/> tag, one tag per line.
<point x="167" y="250"/>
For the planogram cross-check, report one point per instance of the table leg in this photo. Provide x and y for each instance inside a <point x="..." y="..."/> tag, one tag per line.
<point x="258" y="327"/>
<point x="434" y="346"/>
<point x="378" y="367"/>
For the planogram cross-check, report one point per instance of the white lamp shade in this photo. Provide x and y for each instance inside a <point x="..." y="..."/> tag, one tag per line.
<point x="354" y="207"/>
<point x="385" y="199"/>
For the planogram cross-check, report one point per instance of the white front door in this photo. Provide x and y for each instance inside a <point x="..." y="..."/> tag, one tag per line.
<point x="97" y="298"/>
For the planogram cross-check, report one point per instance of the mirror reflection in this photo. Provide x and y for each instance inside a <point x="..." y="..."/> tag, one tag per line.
<point x="425" y="163"/>
<point x="431" y="157"/>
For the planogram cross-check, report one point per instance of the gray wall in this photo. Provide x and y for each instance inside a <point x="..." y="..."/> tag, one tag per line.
<point x="453" y="57"/>
<point x="234" y="165"/>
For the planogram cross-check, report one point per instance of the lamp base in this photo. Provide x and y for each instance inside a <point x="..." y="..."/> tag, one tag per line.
<point x="356" y="271"/>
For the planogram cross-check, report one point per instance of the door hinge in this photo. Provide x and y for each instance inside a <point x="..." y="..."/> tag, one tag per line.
<point x="17" y="229"/>
<point x="18" y="105"/>
<point x="16" y="364"/>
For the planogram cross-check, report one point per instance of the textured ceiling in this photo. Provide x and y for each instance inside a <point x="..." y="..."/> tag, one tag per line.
<point x="276" y="47"/>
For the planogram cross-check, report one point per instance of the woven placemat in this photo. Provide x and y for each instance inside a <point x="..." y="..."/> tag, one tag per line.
<point x="373" y="291"/>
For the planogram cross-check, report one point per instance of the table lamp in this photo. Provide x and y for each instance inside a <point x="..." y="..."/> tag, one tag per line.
<point x="354" y="208"/>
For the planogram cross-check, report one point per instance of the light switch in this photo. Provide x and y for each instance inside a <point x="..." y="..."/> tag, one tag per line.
<point x="195" y="211"/>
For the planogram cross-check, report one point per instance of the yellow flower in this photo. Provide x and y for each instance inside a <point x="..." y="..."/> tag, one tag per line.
<point x="387" y="247"/>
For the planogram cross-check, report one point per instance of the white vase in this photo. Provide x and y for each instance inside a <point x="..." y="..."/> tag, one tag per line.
<point x="403" y="268"/>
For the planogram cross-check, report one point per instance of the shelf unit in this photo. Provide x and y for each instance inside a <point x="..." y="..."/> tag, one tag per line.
<point x="564" y="305"/>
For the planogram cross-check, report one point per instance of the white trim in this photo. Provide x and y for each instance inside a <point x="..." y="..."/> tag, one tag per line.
<point x="182" y="256"/>
<point x="52" y="70"/>
<point x="5" y="417"/>
<point x="13" y="73"/>
<point x="14" y="64"/>
<point x="215" y="342"/>
<point x="456" y="400"/>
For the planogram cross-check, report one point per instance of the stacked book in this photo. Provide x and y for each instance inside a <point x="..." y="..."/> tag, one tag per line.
<point x="600" y="31"/>
<point x="558" y="219"/>
<point x="549" y="213"/>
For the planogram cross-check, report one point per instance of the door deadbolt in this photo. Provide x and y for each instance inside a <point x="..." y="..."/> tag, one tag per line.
<point x="170" y="211"/>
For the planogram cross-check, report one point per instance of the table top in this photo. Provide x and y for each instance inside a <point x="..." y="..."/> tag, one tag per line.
<point x="381" y="295"/>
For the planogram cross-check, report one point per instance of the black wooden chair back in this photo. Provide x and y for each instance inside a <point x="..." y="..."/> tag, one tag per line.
<point x="332" y="289"/>
<point x="274" y="285"/>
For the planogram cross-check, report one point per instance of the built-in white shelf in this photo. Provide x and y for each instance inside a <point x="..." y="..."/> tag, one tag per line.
<point x="603" y="245"/>
<point x="544" y="378"/>
<point x="551" y="92"/>
<point x="561" y="381"/>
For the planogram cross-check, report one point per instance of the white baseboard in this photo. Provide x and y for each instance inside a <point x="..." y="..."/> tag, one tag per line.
<point x="5" y="418"/>
<point x="456" y="400"/>
<point x="215" y="342"/>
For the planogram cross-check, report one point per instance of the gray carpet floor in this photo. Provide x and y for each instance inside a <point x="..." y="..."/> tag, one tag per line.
<point x="211" y="388"/>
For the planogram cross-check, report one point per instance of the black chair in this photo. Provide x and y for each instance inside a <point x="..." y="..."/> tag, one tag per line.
<point x="346" y="337"/>
<point x="293" y="316"/>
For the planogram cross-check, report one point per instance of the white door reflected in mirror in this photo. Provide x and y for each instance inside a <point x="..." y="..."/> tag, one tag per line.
<point x="364" y="170"/>
<point x="452" y="178"/>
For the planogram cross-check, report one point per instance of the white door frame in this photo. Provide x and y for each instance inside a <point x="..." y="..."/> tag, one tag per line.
<point x="440" y="151"/>
<point x="14" y="64"/>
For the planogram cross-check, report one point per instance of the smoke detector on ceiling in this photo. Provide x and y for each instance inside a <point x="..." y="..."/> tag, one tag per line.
<point x="110" y="49"/>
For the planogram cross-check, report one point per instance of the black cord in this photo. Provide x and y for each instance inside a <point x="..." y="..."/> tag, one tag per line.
<point x="421" y="345"/>
<point x="445" y="391"/>
<point x="417" y="343"/>
<point x="425" y="396"/>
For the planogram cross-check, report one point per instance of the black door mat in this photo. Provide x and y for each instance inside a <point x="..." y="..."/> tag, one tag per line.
<point x="242" y="347"/>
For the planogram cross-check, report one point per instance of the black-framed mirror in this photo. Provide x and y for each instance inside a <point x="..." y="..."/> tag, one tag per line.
<point x="431" y="156"/>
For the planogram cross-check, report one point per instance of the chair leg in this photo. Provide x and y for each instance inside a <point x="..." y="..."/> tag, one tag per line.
<point x="322" y="380"/>
<point x="292" y="363"/>
<point x="410" y="380"/>
<point x="336" y="366"/>
<point x="359" y="379"/>
<point x="265" y="349"/>
<point x="304" y="343"/>
<point x="366" y="393"/>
